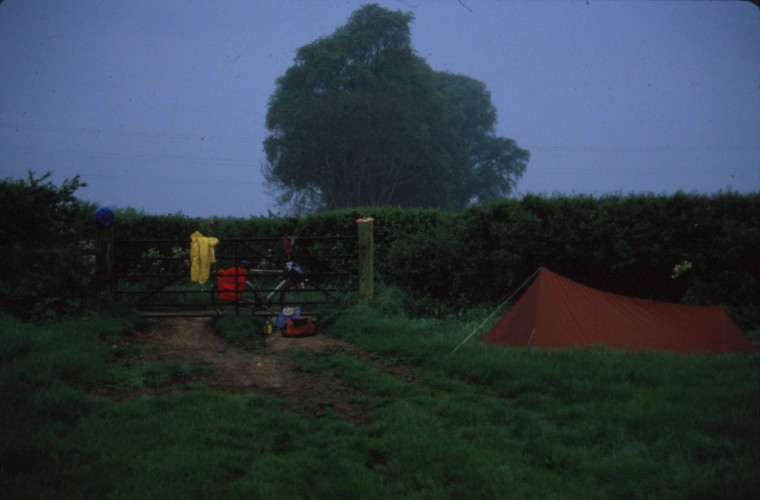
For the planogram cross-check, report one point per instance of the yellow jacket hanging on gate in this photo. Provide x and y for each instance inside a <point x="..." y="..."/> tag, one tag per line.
<point x="201" y="256"/>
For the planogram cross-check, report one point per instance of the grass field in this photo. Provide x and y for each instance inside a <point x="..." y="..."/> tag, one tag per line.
<point x="483" y="422"/>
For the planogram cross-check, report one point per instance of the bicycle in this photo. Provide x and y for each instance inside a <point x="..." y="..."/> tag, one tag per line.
<point x="241" y="288"/>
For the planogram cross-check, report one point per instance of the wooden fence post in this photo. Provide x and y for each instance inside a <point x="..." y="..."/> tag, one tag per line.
<point x="366" y="259"/>
<point x="105" y="269"/>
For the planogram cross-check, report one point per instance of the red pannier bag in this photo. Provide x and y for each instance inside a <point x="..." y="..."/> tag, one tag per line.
<point x="301" y="327"/>
<point x="226" y="283"/>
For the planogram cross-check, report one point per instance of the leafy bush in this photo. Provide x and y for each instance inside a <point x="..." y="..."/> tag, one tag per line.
<point x="44" y="267"/>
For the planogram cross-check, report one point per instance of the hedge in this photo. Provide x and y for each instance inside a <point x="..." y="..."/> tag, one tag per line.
<point x="691" y="248"/>
<point x="684" y="248"/>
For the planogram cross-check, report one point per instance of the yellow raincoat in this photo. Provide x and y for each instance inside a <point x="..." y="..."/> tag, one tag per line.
<point x="201" y="256"/>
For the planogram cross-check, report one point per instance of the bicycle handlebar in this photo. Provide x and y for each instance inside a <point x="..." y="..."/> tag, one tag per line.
<point x="290" y="268"/>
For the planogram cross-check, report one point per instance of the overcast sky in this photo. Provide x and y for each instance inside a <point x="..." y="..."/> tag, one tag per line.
<point x="160" y="105"/>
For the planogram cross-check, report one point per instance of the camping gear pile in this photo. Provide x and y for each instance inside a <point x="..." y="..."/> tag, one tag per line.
<point x="290" y="324"/>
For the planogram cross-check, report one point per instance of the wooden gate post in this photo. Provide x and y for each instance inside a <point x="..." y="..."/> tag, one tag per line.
<point x="366" y="259"/>
<point x="105" y="269"/>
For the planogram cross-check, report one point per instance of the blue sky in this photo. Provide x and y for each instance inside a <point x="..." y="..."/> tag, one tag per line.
<point x="160" y="105"/>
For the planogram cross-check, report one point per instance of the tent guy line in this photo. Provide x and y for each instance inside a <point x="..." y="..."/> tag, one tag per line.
<point x="504" y="303"/>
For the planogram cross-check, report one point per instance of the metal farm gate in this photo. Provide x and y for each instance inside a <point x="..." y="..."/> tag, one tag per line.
<point x="153" y="275"/>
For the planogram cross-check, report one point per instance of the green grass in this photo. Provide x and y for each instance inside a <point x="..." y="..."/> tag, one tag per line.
<point x="244" y="330"/>
<point x="483" y="422"/>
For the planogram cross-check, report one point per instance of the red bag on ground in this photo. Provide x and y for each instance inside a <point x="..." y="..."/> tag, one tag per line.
<point x="230" y="283"/>
<point x="301" y="327"/>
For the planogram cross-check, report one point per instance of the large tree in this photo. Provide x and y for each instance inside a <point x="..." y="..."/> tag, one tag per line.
<point x="359" y="119"/>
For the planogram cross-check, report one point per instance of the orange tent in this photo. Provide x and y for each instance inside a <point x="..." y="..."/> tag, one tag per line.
<point x="556" y="312"/>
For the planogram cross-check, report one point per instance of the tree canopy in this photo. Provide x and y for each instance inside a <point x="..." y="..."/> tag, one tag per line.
<point x="360" y="119"/>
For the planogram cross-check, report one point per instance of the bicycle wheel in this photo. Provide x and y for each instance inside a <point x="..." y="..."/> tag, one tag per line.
<point x="309" y="296"/>
<point x="216" y="302"/>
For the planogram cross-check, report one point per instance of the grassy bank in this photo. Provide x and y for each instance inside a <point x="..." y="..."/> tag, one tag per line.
<point x="480" y="423"/>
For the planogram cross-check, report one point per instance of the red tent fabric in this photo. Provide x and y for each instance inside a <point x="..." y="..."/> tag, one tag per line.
<point x="556" y="312"/>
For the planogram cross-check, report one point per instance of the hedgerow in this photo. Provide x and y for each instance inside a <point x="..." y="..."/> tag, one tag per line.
<point x="692" y="248"/>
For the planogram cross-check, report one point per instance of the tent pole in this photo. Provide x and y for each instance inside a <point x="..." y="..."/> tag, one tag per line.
<point x="495" y="310"/>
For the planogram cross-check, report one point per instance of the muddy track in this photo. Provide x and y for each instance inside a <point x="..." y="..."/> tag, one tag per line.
<point x="237" y="371"/>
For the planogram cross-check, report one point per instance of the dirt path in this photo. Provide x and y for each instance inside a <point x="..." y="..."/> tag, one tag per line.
<point x="235" y="370"/>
